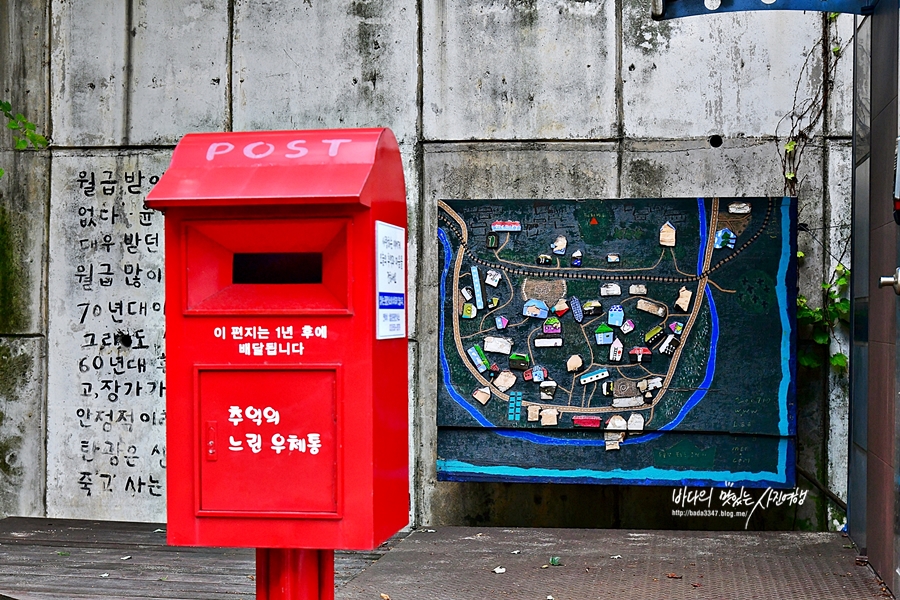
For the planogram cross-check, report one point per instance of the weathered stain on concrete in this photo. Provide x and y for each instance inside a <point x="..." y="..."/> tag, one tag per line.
<point x="648" y="178"/>
<point x="15" y="370"/>
<point x="23" y="205"/>
<point x="652" y="37"/>
<point x="21" y="435"/>
<point x="369" y="30"/>
<point x="13" y="316"/>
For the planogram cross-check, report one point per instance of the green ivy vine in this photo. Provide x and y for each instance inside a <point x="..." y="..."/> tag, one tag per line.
<point x="819" y="324"/>
<point x="25" y="131"/>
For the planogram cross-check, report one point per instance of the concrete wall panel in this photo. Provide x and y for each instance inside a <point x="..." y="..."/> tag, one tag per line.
<point x="106" y="367"/>
<point x="692" y="168"/>
<point x="179" y="76"/>
<point x="300" y="65"/>
<point x="517" y="170"/>
<point x="88" y="72"/>
<point x="137" y="72"/>
<point x="22" y="427"/>
<point x="732" y="74"/>
<point x="504" y="69"/>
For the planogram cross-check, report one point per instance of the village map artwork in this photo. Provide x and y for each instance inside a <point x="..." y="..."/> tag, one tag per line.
<point x="638" y="341"/>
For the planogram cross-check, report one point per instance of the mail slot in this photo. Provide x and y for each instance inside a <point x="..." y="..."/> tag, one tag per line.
<point x="286" y="339"/>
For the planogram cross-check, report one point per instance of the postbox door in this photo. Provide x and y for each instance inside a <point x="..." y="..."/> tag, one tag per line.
<point x="269" y="441"/>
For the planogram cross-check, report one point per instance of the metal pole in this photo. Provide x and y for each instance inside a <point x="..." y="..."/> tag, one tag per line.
<point x="291" y="574"/>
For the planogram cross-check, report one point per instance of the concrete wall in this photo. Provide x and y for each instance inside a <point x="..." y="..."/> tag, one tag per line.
<point x="488" y="98"/>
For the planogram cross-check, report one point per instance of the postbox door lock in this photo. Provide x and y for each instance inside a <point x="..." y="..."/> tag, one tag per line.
<point x="210" y="442"/>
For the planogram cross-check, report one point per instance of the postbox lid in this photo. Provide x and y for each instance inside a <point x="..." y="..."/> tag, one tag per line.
<point x="327" y="166"/>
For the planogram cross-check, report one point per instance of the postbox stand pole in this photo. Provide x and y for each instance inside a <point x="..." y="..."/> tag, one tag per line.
<point x="290" y="574"/>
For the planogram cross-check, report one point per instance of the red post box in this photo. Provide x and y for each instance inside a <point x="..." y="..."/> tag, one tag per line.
<point x="286" y="342"/>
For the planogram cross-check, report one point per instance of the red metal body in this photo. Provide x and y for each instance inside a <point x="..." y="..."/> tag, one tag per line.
<point x="287" y="418"/>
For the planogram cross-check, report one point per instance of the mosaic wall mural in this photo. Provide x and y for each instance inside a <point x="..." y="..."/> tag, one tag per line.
<point x="647" y="341"/>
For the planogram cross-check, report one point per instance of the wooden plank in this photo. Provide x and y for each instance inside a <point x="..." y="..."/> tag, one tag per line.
<point x="58" y="558"/>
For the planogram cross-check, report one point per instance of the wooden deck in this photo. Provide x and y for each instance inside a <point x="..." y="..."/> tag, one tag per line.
<point x="59" y="558"/>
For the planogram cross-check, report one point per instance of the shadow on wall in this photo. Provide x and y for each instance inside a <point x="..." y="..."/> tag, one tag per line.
<point x="627" y="507"/>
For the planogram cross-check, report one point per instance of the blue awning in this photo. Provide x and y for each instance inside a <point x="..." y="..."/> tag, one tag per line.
<point x="662" y="10"/>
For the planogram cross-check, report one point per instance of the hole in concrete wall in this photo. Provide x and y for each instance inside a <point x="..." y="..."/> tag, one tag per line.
<point x="122" y="339"/>
<point x="715" y="141"/>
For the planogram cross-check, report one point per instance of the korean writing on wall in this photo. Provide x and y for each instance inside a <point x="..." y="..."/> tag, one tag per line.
<point x="106" y="380"/>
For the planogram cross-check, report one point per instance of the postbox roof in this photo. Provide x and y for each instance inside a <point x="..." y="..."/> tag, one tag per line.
<point x="276" y="167"/>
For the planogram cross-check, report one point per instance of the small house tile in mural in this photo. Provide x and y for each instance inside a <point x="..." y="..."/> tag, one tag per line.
<point x="725" y="238"/>
<point x="478" y="358"/>
<point x="616" y="315"/>
<point x="505" y="380"/>
<point x="574" y="363"/>
<point x="640" y="355"/>
<point x="615" y="350"/>
<point x="559" y="245"/>
<point x="592" y="376"/>
<point x="547" y="341"/>
<point x="577" y="311"/>
<point x="667" y="235"/>
<point x="603" y="334"/>
<point x="506" y="226"/>
<point x="684" y="298"/>
<point x="669" y="345"/>
<point x="535" y="308"/>
<point x="651" y="307"/>
<point x="552" y="325"/>
<point x="653" y="335"/>
<point x="547" y="389"/>
<point x="610" y="289"/>
<point x="561" y="307"/>
<point x="499" y="345"/>
<point x="482" y="394"/>
<point x="519" y="362"/>
<point x="592" y="308"/>
<point x="589" y="421"/>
